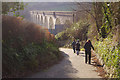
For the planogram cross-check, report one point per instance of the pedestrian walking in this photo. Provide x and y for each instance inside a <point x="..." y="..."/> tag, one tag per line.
<point x="87" y="47"/>
<point x="73" y="45"/>
<point x="77" y="47"/>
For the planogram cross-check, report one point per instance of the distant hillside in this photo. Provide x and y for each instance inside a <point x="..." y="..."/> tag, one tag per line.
<point x="46" y="6"/>
<point x="57" y="6"/>
<point x="50" y="6"/>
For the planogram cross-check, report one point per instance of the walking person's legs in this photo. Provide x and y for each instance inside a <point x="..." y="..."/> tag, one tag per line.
<point x="85" y="56"/>
<point x="90" y="57"/>
<point x="74" y="49"/>
<point x="77" y="52"/>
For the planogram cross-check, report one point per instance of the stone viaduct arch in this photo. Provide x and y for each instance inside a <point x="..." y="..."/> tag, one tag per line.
<point x="57" y="21"/>
<point x="46" y="22"/>
<point x="49" y="19"/>
<point x="51" y="23"/>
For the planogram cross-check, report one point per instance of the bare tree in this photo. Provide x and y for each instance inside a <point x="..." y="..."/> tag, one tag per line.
<point x="94" y="9"/>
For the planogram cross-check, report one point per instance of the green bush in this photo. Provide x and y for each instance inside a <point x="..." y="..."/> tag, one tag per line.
<point x="26" y="47"/>
<point x="78" y="30"/>
<point x="109" y="54"/>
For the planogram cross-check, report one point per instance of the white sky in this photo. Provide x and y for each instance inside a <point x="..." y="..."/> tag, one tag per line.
<point x="60" y="0"/>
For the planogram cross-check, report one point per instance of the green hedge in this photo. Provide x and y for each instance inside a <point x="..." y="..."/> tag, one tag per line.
<point x="25" y="47"/>
<point x="30" y="57"/>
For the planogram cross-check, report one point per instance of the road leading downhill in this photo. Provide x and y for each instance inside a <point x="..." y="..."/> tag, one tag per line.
<point x="72" y="66"/>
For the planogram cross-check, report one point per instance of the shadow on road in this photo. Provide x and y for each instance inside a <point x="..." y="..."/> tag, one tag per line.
<point x="61" y="70"/>
<point x="82" y="54"/>
<point x="66" y="66"/>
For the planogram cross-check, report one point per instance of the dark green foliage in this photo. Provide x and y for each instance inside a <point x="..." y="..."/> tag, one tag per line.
<point x="119" y="60"/>
<point x="107" y="26"/>
<point x="27" y="58"/>
<point x="13" y="7"/>
<point x="78" y="30"/>
<point x="25" y="47"/>
<point x="103" y="32"/>
<point x="107" y="44"/>
<point x="62" y="35"/>
<point x="104" y="20"/>
<point x="109" y="53"/>
<point x="110" y="18"/>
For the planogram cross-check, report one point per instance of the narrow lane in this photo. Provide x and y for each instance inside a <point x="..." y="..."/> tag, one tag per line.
<point x="72" y="66"/>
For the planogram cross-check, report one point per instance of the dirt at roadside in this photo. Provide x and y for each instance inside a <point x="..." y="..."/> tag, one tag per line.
<point x="99" y="67"/>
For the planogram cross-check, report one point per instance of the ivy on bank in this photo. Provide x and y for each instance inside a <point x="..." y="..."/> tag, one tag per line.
<point x="110" y="55"/>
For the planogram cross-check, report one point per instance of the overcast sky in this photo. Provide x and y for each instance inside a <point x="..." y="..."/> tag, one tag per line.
<point x="56" y="0"/>
<point x="47" y="0"/>
<point x="60" y="0"/>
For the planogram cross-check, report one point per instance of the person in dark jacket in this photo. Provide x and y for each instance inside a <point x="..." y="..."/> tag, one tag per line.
<point x="87" y="47"/>
<point x="78" y="47"/>
<point x="73" y="45"/>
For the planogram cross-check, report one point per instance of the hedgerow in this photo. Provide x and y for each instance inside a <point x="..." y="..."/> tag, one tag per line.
<point x="109" y="52"/>
<point x="26" y="47"/>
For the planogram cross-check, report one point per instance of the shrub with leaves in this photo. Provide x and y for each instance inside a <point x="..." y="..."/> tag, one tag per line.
<point x="25" y="47"/>
<point x="109" y="53"/>
<point x="78" y="30"/>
